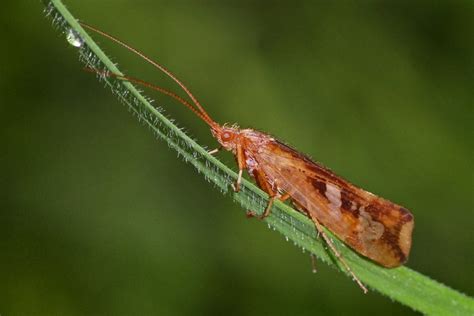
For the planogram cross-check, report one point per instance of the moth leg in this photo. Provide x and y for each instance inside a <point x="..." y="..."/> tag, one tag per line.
<point x="282" y="198"/>
<point x="265" y="186"/>
<point x="214" y="151"/>
<point x="270" y="204"/>
<point x="267" y="209"/>
<point x="241" y="163"/>
<point x="338" y="255"/>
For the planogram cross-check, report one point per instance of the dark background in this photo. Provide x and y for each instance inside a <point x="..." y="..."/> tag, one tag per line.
<point x="97" y="217"/>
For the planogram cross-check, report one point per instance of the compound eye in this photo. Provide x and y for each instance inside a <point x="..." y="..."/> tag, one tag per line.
<point x="226" y="136"/>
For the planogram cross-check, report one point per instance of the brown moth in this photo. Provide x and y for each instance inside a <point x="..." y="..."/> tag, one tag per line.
<point x="374" y="227"/>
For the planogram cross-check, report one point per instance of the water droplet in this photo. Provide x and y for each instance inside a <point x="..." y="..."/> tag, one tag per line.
<point x="74" y="38"/>
<point x="286" y="238"/>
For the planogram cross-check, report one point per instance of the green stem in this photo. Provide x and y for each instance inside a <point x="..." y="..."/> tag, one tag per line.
<point x="401" y="284"/>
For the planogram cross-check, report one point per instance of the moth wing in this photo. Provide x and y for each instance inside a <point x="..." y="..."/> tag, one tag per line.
<point x="373" y="226"/>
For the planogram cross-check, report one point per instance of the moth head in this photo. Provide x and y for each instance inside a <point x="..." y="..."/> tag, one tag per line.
<point x="227" y="136"/>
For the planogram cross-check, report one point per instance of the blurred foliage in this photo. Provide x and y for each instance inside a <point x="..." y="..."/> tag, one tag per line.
<point x="380" y="92"/>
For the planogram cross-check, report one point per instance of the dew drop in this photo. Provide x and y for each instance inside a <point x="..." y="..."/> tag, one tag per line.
<point x="74" y="38"/>
<point x="286" y="238"/>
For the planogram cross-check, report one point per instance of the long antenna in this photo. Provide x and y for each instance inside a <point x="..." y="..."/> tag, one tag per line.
<point x="157" y="65"/>
<point x="153" y="87"/>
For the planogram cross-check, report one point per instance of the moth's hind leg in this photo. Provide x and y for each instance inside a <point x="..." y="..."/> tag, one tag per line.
<point x="321" y="232"/>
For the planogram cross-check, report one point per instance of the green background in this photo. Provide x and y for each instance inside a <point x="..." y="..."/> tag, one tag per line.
<point x="97" y="217"/>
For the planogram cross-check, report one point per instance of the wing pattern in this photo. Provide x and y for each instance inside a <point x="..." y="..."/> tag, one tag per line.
<point x="373" y="226"/>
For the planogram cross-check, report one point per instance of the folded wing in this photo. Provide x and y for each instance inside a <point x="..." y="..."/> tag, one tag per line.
<point x="373" y="226"/>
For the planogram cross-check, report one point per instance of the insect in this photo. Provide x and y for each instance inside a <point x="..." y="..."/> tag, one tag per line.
<point x="374" y="227"/>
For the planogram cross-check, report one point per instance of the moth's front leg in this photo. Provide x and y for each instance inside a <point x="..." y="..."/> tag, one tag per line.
<point x="240" y="161"/>
<point x="239" y="155"/>
<point x="214" y="151"/>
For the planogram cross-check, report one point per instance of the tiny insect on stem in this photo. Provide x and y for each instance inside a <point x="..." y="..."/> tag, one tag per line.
<point x="374" y="227"/>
